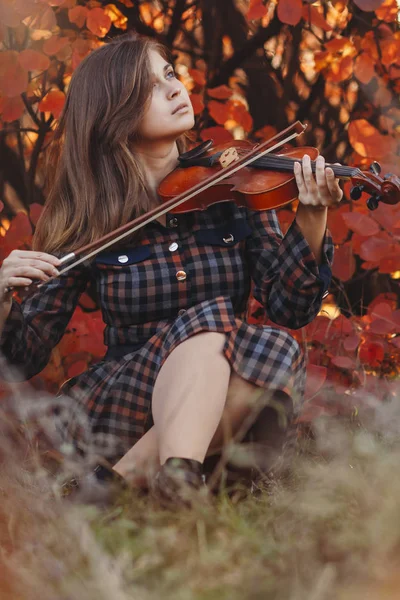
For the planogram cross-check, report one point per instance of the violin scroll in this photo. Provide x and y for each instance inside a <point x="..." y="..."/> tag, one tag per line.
<point x="386" y="189"/>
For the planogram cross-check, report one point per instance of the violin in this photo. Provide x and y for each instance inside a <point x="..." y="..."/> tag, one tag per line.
<point x="249" y="174"/>
<point x="267" y="183"/>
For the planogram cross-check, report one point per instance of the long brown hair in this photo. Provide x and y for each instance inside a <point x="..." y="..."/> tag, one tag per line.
<point x="94" y="182"/>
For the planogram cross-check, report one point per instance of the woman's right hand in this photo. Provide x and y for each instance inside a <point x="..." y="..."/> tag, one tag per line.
<point x="21" y="267"/>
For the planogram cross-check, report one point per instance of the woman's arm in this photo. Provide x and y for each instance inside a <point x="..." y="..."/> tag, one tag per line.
<point x="288" y="281"/>
<point x="315" y="195"/>
<point x="34" y="327"/>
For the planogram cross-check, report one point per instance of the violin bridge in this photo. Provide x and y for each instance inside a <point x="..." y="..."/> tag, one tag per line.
<point x="229" y="156"/>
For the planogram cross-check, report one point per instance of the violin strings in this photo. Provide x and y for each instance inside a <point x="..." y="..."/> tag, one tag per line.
<point x="287" y="164"/>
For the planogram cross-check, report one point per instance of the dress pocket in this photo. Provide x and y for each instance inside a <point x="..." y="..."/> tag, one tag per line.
<point x="227" y="235"/>
<point x="124" y="257"/>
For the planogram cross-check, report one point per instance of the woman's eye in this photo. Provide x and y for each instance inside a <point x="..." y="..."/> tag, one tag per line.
<point x="171" y="73"/>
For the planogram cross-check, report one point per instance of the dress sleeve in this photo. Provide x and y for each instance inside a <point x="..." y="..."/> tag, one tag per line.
<point x="35" y="326"/>
<point x="288" y="281"/>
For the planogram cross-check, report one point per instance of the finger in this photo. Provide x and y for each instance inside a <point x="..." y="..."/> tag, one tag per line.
<point x="301" y="186"/>
<point x="44" y="266"/>
<point x="27" y="271"/>
<point x="44" y="256"/>
<point x="308" y="176"/>
<point x="320" y="177"/>
<point x="335" y="191"/>
<point x="18" y="282"/>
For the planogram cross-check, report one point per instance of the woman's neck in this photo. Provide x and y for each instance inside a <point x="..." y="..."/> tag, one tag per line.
<point x="157" y="161"/>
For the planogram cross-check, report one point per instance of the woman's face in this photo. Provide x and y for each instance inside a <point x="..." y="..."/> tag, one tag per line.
<point x="170" y="111"/>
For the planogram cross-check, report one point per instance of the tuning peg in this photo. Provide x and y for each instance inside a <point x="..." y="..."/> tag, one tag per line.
<point x="373" y="202"/>
<point x="356" y="191"/>
<point x="375" y="168"/>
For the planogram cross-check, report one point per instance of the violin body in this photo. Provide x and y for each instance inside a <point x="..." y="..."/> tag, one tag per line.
<point x="257" y="189"/>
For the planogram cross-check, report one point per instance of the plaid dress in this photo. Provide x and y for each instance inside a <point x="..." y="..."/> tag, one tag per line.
<point x="193" y="275"/>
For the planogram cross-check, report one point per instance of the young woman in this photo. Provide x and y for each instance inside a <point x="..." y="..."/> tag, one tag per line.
<point x="182" y="365"/>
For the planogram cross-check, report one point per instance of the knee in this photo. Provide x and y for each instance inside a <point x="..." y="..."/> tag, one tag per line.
<point x="289" y="348"/>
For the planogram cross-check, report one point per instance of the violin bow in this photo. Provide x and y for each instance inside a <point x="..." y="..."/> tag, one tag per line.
<point x="113" y="237"/>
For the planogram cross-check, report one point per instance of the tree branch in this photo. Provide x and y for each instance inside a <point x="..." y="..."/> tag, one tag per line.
<point x="179" y="9"/>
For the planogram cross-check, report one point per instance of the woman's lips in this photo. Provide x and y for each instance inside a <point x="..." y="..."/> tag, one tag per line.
<point x="180" y="107"/>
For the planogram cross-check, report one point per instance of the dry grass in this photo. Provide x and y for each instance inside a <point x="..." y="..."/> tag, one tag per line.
<point x="331" y="532"/>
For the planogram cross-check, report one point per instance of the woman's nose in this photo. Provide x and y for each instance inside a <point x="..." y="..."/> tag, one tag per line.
<point x="174" y="90"/>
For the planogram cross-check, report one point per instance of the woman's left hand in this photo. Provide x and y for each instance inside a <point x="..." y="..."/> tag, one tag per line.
<point x="321" y="191"/>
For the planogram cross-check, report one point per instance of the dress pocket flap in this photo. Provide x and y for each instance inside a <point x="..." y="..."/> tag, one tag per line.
<point x="228" y="234"/>
<point x="121" y="258"/>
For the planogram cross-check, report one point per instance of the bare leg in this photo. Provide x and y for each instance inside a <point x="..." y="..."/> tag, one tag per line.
<point x="189" y="396"/>
<point x="143" y="459"/>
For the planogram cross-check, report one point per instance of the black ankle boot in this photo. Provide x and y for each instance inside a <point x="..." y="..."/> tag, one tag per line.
<point x="103" y="473"/>
<point x="180" y="483"/>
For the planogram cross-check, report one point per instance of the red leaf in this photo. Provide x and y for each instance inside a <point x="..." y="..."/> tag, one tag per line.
<point x="289" y="11"/>
<point x="368" y="5"/>
<point x="364" y="68"/>
<point x="367" y="141"/>
<point x="8" y="15"/>
<point x="361" y="223"/>
<point x="388" y="11"/>
<point x="98" y="22"/>
<point x="257" y="9"/>
<point x="390" y="264"/>
<point x="381" y="310"/>
<point x="351" y="342"/>
<point x="285" y="218"/>
<point x="219" y="111"/>
<point x="371" y="353"/>
<point x="316" y="377"/>
<point x="77" y="15"/>
<point x="222" y="92"/>
<point x="54" y="45"/>
<point x="374" y="249"/>
<point x="318" y="330"/>
<point x="44" y="17"/>
<point x="218" y="134"/>
<point x="13" y="78"/>
<point x="241" y="115"/>
<point x="11" y="109"/>
<point x="77" y="368"/>
<point x="198" y="77"/>
<point x="53" y="102"/>
<point x="382" y="327"/>
<point x="344" y="263"/>
<point x="343" y="362"/>
<point x="337" y="225"/>
<point x="389" y="298"/>
<point x="340" y="70"/>
<point x="19" y="233"/>
<point x="35" y="211"/>
<point x="197" y="103"/>
<point x="343" y="325"/>
<point x="31" y="60"/>
<point x="312" y="16"/>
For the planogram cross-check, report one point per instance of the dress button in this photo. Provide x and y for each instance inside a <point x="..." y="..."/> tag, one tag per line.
<point x="173" y="222"/>
<point x="229" y="239"/>
<point x="123" y="258"/>
<point x="181" y="275"/>
<point x="173" y="247"/>
<point x="181" y="312"/>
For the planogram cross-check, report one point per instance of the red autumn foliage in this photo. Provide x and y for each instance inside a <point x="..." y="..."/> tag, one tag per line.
<point x="343" y="77"/>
